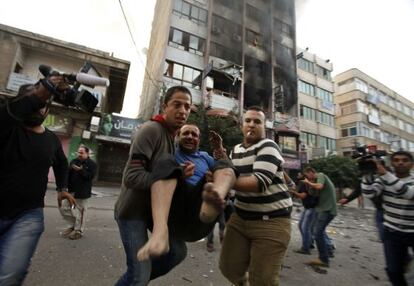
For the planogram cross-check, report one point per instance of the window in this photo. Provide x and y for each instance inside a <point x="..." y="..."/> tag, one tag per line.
<point x="323" y="73"/>
<point x="401" y="124"/>
<point x="254" y="38"/>
<point x="181" y="74"/>
<point x="349" y="131"/>
<point x="287" y="142"/>
<point x="305" y="65"/>
<point x="326" y="118"/>
<point x="391" y="102"/>
<point x="189" y="11"/>
<point x="406" y="110"/>
<point x="324" y="95"/>
<point x="306" y="88"/>
<point x="362" y="86"/>
<point x="307" y="113"/>
<point x="327" y="143"/>
<point x="185" y="41"/>
<point x="308" y="138"/>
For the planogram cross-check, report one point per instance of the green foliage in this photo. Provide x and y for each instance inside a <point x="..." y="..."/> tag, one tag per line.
<point x="227" y="127"/>
<point x="341" y="170"/>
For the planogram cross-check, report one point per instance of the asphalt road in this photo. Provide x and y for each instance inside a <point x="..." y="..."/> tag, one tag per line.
<point x="98" y="258"/>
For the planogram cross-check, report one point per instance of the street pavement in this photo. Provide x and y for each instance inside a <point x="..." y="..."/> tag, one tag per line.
<point x="98" y="258"/>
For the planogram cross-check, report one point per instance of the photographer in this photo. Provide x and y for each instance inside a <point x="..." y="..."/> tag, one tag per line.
<point x="397" y="192"/>
<point x="27" y="151"/>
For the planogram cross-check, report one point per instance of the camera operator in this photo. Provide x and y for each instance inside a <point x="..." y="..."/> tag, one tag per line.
<point x="397" y="192"/>
<point x="27" y="151"/>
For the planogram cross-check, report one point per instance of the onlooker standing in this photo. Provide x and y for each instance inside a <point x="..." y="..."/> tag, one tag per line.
<point x="326" y="210"/>
<point x="397" y="192"/>
<point x="81" y="173"/>
<point x="258" y="233"/>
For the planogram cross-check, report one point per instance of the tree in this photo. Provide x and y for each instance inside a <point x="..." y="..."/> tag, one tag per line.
<point x="227" y="127"/>
<point x="343" y="171"/>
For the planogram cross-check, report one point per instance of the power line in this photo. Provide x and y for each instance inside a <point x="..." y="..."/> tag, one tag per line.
<point x="154" y="82"/>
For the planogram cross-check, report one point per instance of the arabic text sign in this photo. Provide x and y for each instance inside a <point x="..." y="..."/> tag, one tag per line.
<point x="118" y="126"/>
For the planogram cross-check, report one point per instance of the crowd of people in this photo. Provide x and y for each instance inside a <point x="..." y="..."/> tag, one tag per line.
<point x="177" y="192"/>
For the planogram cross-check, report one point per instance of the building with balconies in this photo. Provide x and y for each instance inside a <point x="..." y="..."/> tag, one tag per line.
<point x="316" y="105"/>
<point x="231" y="54"/>
<point x="370" y="113"/>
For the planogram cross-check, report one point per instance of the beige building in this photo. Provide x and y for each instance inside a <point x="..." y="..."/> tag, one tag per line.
<point x="21" y="53"/>
<point x="370" y="113"/>
<point x="316" y="105"/>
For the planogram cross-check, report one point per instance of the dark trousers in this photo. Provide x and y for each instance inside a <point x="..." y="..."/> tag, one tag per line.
<point x="396" y="244"/>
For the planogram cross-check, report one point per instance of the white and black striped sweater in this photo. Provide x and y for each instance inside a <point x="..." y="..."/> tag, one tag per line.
<point x="264" y="161"/>
<point x="398" y="199"/>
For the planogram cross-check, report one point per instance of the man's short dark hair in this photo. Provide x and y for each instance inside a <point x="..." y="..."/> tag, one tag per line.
<point x="402" y="153"/>
<point x="84" y="147"/>
<point x="309" y="169"/>
<point x="172" y="90"/>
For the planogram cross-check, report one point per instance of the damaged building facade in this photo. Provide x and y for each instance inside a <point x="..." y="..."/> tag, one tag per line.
<point x="231" y="54"/>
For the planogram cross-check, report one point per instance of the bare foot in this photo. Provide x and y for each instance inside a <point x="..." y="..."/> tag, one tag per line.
<point x="157" y="245"/>
<point x="212" y="204"/>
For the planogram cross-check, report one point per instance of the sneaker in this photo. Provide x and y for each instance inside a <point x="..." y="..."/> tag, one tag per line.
<point x="66" y="232"/>
<point x="302" y="251"/>
<point x="210" y="247"/>
<point x="317" y="262"/>
<point x="76" y="234"/>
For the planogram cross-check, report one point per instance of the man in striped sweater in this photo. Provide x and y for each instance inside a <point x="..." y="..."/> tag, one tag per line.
<point x="258" y="233"/>
<point x="397" y="191"/>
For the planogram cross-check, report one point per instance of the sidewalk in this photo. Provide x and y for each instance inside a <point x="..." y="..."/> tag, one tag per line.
<point x="103" y="197"/>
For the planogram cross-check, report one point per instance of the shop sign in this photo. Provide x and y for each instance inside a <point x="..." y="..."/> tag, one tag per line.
<point x="118" y="127"/>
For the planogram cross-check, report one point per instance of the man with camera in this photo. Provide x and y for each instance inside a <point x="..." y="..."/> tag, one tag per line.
<point x="397" y="192"/>
<point x="27" y="151"/>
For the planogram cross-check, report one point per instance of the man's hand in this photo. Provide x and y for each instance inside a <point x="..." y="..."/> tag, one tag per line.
<point x="217" y="145"/>
<point x="57" y="81"/>
<point x="189" y="168"/>
<point x="76" y="167"/>
<point x="66" y="196"/>
<point x="343" y="201"/>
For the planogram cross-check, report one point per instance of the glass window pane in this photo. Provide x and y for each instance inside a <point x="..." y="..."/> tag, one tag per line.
<point x="178" y="71"/>
<point x="177" y="36"/>
<point x="194" y="12"/>
<point x="193" y="42"/>
<point x="178" y="4"/>
<point x="186" y="9"/>
<point x="188" y="74"/>
<point x="203" y="15"/>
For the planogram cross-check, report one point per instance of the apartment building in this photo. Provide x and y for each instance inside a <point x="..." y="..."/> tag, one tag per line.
<point x="231" y="54"/>
<point x="370" y="113"/>
<point x="316" y="105"/>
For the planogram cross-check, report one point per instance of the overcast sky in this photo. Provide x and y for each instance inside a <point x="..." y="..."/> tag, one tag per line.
<point x="375" y="36"/>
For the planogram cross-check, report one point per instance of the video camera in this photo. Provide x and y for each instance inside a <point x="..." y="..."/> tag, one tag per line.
<point x="74" y="97"/>
<point x="364" y="154"/>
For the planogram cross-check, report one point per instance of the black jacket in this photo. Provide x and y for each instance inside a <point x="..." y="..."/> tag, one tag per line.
<point x="25" y="159"/>
<point x="80" y="182"/>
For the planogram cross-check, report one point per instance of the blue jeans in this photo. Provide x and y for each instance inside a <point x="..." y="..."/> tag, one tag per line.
<point x="321" y="222"/>
<point x="18" y="240"/>
<point x="134" y="236"/>
<point x="305" y="227"/>
<point x="396" y="244"/>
